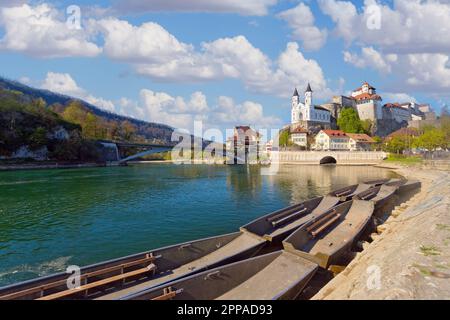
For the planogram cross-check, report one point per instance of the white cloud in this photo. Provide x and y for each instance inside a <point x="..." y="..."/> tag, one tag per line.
<point x="411" y="42"/>
<point x="420" y="72"/>
<point x="408" y="27"/>
<point x="228" y="113"/>
<point x="181" y="113"/>
<point x="40" y="31"/>
<point x="247" y="7"/>
<point x="302" y="22"/>
<point x="148" y="43"/>
<point x="155" y="53"/>
<point x="371" y="58"/>
<point x="63" y="83"/>
<point x="398" y="97"/>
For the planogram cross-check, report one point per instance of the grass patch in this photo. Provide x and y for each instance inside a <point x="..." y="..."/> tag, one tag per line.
<point x="444" y="227"/>
<point x="429" y="251"/>
<point x="442" y="266"/>
<point x="400" y="158"/>
<point x="447" y="241"/>
<point x="423" y="270"/>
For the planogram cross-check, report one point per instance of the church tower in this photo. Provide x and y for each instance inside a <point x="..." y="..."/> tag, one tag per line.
<point x="308" y="97"/>
<point x="295" y="117"/>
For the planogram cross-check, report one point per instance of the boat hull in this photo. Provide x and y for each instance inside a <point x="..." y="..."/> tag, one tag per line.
<point x="264" y="227"/>
<point x="275" y="276"/>
<point x="332" y="244"/>
<point x="167" y="263"/>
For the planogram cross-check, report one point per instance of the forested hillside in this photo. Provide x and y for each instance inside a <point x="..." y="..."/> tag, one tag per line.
<point x="151" y="132"/>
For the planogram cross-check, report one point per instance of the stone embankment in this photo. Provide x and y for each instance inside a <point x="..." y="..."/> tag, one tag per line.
<point x="409" y="257"/>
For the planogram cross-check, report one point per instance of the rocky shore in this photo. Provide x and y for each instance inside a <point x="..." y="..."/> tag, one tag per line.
<point x="409" y="257"/>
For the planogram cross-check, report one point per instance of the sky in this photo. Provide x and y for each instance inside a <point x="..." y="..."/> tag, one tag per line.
<point x="228" y="62"/>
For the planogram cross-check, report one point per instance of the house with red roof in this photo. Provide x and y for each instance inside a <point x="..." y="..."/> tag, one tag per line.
<point x="299" y="137"/>
<point x="335" y="140"/>
<point x="360" y="142"/>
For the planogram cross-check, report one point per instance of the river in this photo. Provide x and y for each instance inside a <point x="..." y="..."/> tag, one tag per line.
<point x="50" y="219"/>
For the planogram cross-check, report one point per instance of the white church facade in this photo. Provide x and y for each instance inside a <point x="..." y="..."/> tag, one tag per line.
<point x="306" y="114"/>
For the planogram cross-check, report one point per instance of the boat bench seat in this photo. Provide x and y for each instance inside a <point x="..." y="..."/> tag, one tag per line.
<point x="95" y="284"/>
<point x="324" y="223"/>
<point x="287" y="215"/>
<point x="149" y="258"/>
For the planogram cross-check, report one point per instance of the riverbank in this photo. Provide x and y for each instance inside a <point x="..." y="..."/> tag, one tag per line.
<point x="409" y="257"/>
<point x="41" y="166"/>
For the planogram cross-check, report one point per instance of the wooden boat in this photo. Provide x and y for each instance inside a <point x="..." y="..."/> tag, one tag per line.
<point x="404" y="185"/>
<point x="347" y="193"/>
<point x="115" y="278"/>
<point x="326" y="239"/>
<point x="277" y="225"/>
<point x="379" y="182"/>
<point x="274" y="276"/>
<point x="378" y="195"/>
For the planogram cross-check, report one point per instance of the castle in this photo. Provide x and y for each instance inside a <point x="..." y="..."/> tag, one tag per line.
<point x="365" y="100"/>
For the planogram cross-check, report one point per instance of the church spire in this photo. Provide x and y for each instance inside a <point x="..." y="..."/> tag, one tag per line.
<point x="308" y="89"/>
<point x="295" y="93"/>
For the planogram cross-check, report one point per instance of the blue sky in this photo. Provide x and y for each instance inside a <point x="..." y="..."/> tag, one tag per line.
<point x="228" y="62"/>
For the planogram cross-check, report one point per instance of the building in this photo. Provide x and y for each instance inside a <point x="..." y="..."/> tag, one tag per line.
<point x="306" y="114"/>
<point x="345" y="102"/>
<point x="368" y="103"/>
<point x="299" y="137"/>
<point x="331" y="140"/>
<point x="269" y="146"/>
<point x="398" y="112"/>
<point x="360" y="142"/>
<point x="404" y="132"/>
<point x="245" y="143"/>
<point x="428" y="112"/>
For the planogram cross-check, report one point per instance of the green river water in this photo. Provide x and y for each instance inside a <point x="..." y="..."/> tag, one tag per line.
<point x="50" y="219"/>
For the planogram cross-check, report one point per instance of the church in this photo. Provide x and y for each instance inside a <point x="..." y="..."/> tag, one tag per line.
<point x="306" y="114"/>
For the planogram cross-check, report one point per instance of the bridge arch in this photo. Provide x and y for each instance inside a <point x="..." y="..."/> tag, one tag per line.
<point x="328" y="160"/>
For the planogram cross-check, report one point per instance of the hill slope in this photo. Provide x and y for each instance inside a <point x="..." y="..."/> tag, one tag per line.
<point x="151" y="131"/>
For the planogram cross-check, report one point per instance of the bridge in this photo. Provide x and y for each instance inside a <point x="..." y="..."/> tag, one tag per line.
<point x="329" y="157"/>
<point x="146" y="149"/>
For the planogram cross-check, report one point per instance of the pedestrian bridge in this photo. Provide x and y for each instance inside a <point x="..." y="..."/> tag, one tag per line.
<point x="144" y="149"/>
<point x="329" y="157"/>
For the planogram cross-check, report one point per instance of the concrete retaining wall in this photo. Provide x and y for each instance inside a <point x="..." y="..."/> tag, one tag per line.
<point x="341" y="157"/>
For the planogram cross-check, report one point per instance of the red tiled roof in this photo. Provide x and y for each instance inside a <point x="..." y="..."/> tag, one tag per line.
<point x="367" y="96"/>
<point x="361" y="137"/>
<point x="396" y="105"/>
<point x="299" y="130"/>
<point x="335" y="133"/>
<point x="405" y="132"/>
<point x="365" y="83"/>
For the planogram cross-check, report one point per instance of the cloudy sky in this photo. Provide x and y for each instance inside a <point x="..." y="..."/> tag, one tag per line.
<point x="226" y="62"/>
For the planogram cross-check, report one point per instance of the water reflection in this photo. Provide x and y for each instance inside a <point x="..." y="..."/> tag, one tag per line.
<point x="303" y="182"/>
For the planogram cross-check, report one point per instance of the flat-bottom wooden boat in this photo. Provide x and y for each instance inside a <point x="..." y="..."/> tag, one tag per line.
<point x="404" y="185"/>
<point x="378" y="195"/>
<point x="115" y="278"/>
<point x="347" y="193"/>
<point x="326" y="239"/>
<point x="277" y="225"/>
<point x="278" y="275"/>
